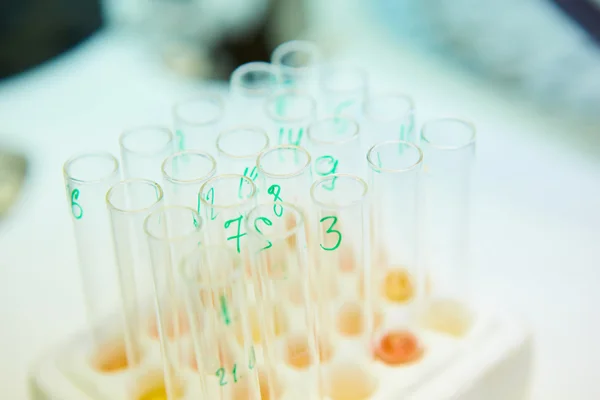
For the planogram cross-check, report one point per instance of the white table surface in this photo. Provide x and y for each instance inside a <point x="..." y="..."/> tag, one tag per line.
<point x="537" y="222"/>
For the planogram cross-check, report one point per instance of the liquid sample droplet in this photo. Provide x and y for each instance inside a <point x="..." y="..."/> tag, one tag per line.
<point x="350" y="382"/>
<point x="447" y="316"/>
<point x="111" y="357"/>
<point x="399" y="348"/>
<point x="398" y="286"/>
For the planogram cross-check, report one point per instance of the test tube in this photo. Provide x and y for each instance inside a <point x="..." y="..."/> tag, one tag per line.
<point x="172" y="232"/>
<point x="238" y="149"/>
<point x="216" y="298"/>
<point x="289" y="113"/>
<point x="449" y="150"/>
<point x="342" y="90"/>
<point x="389" y="116"/>
<point x="198" y="121"/>
<point x="129" y="202"/>
<point x="344" y="259"/>
<point x="394" y="172"/>
<point x="184" y="173"/>
<point x="251" y="85"/>
<point x="87" y="178"/>
<point x="334" y="144"/>
<point x="278" y="250"/>
<point x="296" y="62"/>
<point x="142" y="151"/>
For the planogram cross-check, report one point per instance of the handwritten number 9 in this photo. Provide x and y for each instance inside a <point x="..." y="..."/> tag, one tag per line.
<point x="75" y="207"/>
<point x="267" y="222"/>
<point x="334" y="231"/>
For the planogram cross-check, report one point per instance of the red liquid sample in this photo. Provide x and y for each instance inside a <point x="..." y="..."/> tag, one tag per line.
<point x="350" y="382"/>
<point x="398" y="348"/>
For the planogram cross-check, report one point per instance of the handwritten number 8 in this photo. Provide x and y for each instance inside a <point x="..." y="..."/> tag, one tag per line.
<point x="331" y="230"/>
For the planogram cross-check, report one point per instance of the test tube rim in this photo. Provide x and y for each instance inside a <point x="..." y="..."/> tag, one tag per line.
<point x="209" y="175"/>
<point x="235" y="275"/>
<point x="159" y="128"/>
<point x="102" y="154"/>
<point x="239" y="72"/>
<point x="229" y="206"/>
<point x="465" y="122"/>
<point x="287" y="147"/>
<point x="324" y="179"/>
<point x="295" y="45"/>
<point x="174" y="239"/>
<point x="376" y="168"/>
<point x="256" y="129"/>
<point x="405" y="96"/>
<point x="354" y="136"/>
<point x="278" y="237"/>
<point x="335" y="67"/>
<point x="218" y="99"/>
<point x="286" y="92"/>
<point x="157" y="187"/>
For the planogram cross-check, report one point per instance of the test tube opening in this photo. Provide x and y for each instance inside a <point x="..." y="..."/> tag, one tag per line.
<point x="254" y="79"/>
<point x="388" y="107"/>
<point x="189" y="166"/>
<point x="242" y="142"/>
<point x="146" y="141"/>
<point x="199" y="111"/>
<point x="283" y="161"/>
<point x="448" y="133"/>
<point x="297" y="54"/>
<point x="91" y="168"/>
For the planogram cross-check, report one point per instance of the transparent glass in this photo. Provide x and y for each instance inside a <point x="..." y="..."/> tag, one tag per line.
<point x="129" y="203"/>
<point x="250" y="86"/>
<point x="172" y="233"/>
<point x="184" y="173"/>
<point x="143" y="149"/>
<point x="217" y="303"/>
<point x="87" y="179"/>
<point x="449" y="149"/>
<point x="238" y="149"/>
<point x="296" y="62"/>
<point x="289" y="113"/>
<point x="347" y="315"/>
<point x="286" y="317"/>
<point x="343" y="89"/>
<point x="389" y="116"/>
<point x="396" y="277"/>
<point x="198" y="121"/>
<point x="334" y="144"/>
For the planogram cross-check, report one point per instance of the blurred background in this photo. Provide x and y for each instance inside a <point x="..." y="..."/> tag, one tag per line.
<point x="73" y="72"/>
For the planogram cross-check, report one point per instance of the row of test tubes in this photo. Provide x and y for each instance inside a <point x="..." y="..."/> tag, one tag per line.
<point x="292" y="239"/>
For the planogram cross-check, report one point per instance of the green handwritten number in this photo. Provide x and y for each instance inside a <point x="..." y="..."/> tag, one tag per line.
<point x="180" y="140"/>
<point x="331" y="230"/>
<point x="333" y="165"/>
<point x="210" y="196"/>
<point x="267" y="222"/>
<point x="275" y="190"/>
<point x="290" y="136"/>
<point x="75" y="207"/>
<point x="253" y="174"/>
<point x="252" y="361"/>
<point x="239" y="227"/>
<point x="234" y="372"/>
<point x="225" y="310"/>
<point x="221" y="374"/>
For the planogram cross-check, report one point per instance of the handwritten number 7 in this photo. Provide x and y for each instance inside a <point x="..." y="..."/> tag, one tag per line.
<point x="331" y="230"/>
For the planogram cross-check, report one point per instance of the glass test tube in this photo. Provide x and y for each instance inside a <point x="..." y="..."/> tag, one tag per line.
<point x="87" y="178"/>
<point x="449" y="150"/>
<point x="334" y="145"/>
<point x="396" y="279"/>
<point x="278" y="249"/>
<point x="349" y="318"/>
<point x="251" y="85"/>
<point x="184" y="173"/>
<point x="172" y="232"/>
<point x="143" y="149"/>
<point x="216" y="297"/>
<point x="289" y="113"/>
<point x="129" y="202"/>
<point x="238" y="149"/>
<point x="342" y="90"/>
<point x="389" y="116"/>
<point x="198" y="121"/>
<point x="296" y="62"/>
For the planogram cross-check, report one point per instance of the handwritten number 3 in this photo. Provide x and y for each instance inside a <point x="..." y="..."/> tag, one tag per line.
<point x="331" y="230"/>
<point x="75" y="207"/>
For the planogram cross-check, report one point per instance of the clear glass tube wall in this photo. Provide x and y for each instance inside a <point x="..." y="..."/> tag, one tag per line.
<point x="183" y="174"/>
<point x="250" y="86"/>
<point x="343" y="89"/>
<point x="289" y="113"/>
<point x="87" y="179"/>
<point x="143" y="149"/>
<point x="198" y="121"/>
<point x="449" y="150"/>
<point x="388" y="116"/>
<point x="296" y="62"/>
